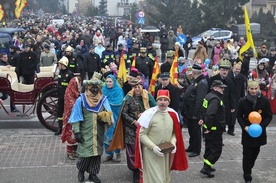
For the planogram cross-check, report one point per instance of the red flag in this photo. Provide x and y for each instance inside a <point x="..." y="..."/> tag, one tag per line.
<point x="155" y="72"/>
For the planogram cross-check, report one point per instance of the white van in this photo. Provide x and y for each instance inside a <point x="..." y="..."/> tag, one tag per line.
<point x="57" y="21"/>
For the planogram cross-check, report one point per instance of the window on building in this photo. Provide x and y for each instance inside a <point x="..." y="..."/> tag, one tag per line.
<point x="273" y="10"/>
<point x="126" y="11"/>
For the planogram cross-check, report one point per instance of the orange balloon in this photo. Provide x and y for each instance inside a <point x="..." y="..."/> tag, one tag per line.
<point x="255" y="117"/>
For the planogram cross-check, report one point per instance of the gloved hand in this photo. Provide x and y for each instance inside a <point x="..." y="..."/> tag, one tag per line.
<point x="157" y="151"/>
<point x="105" y="116"/>
<point x="79" y="139"/>
<point x="174" y="150"/>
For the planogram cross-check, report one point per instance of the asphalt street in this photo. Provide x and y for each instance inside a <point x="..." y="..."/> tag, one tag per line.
<point x="29" y="153"/>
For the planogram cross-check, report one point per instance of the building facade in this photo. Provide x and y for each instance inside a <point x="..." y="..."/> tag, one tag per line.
<point x="117" y="7"/>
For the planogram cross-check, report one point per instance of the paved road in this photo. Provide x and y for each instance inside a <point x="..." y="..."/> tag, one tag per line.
<point x="32" y="154"/>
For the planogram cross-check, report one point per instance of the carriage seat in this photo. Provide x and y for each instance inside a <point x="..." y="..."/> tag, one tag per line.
<point x="46" y="71"/>
<point x="11" y="75"/>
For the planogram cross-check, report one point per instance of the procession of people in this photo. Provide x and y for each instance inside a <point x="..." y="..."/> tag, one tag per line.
<point x="101" y="115"/>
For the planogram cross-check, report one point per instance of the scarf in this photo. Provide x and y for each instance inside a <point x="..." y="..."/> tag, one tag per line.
<point x="115" y="95"/>
<point x="93" y="100"/>
<point x="253" y="99"/>
<point x="144" y="94"/>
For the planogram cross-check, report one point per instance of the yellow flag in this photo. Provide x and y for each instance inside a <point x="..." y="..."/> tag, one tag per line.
<point x="19" y="5"/>
<point x="155" y="72"/>
<point x="250" y="42"/>
<point x="122" y="73"/>
<point x="1" y="13"/>
<point x="174" y="69"/>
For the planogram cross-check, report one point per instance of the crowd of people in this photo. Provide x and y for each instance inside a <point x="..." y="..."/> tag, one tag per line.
<point x="212" y="92"/>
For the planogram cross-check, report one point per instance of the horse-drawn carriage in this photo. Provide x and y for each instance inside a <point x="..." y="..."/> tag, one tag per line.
<point x="39" y="98"/>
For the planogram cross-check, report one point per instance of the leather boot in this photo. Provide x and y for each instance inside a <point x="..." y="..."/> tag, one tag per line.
<point x="206" y="170"/>
<point x="94" y="178"/>
<point x="81" y="176"/>
<point x="136" y="176"/>
<point x="58" y="132"/>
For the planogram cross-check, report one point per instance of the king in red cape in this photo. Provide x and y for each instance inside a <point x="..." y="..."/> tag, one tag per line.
<point x="157" y="125"/>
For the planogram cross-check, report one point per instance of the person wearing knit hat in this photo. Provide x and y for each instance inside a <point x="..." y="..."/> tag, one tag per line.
<point x="47" y="58"/>
<point x="260" y="73"/>
<point x="251" y="146"/>
<point x="131" y="76"/>
<point x="263" y="52"/>
<point x="179" y="51"/>
<point x="90" y="116"/>
<point x="239" y="81"/>
<point x="149" y="151"/>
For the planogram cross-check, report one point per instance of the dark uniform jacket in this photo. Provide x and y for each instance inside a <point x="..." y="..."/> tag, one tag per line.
<point x="108" y="56"/>
<point x="151" y="53"/>
<point x="133" y="52"/>
<point x="239" y="86"/>
<point x="144" y="65"/>
<point x="27" y="63"/>
<point x="14" y="59"/>
<point x="125" y="55"/>
<point x="174" y="94"/>
<point x="188" y="44"/>
<point x="64" y="77"/>
<point x="213" y="112"/>
<point x="74" y="64"/>
<point x="165" y="67"/>
<point x="245" y="107"/>
<point x="92" y="63"/>
<point x="193" y="97"/>
<point x="228" y="94"/>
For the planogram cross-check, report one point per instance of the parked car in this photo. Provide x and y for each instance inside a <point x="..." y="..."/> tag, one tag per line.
<point x="218" y="34"/>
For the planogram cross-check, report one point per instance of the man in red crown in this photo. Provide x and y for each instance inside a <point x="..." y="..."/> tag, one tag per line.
<point x="159" y="125"/>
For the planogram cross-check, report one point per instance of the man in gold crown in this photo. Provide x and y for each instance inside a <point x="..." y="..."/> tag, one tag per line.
<point x="253" y="101"/>
<point x="228" y="94"/>
<point x="239" y="81"/>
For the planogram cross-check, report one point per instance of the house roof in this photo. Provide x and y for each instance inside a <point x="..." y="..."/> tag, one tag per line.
<point x="258" y="2"/>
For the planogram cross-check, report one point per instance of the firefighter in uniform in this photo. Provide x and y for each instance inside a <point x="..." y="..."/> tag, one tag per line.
<point x="213" y="125"/>
<point x="144" y="64"/>
<point x="74" y="65"/>
<point x="151" y="53"/>
<point x="108" y="56"/>
<point x="64" y="76"/>
<point x="134" y="51"/>
<point x="125" y="55"/>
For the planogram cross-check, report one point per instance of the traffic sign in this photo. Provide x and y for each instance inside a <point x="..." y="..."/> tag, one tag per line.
<point x="141" y="14"/>
<point x="141" y="20"/>
<point x="137" y="14"/>
<point x="181" y="38"/>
